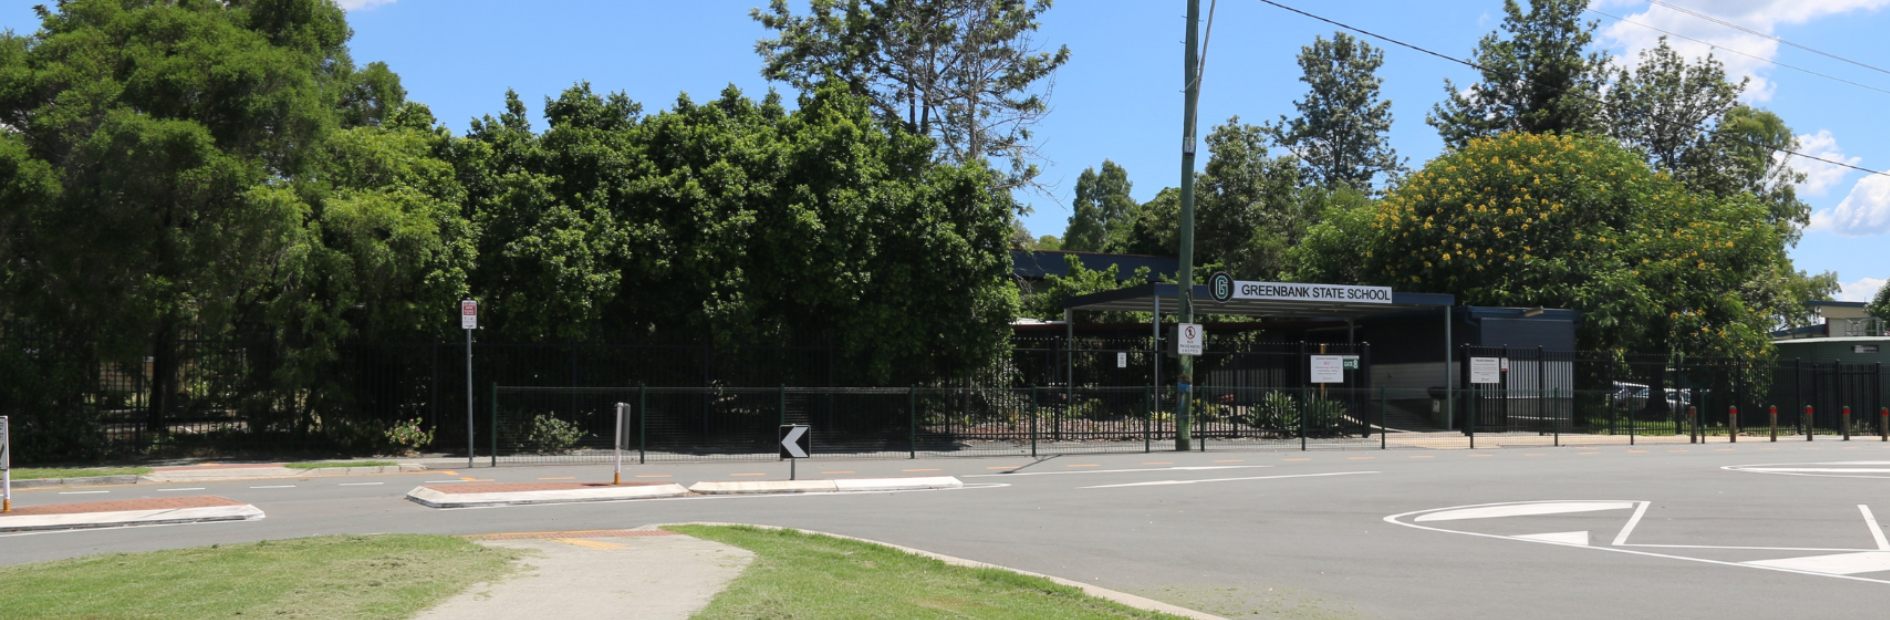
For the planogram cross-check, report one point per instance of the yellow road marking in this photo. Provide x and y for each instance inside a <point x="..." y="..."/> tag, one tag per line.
<point x="747" y="474"/>
<point x="934" y="469"/>
<point x="475" y="479"/>
<point x="652" y="475"/>
<point x="1243" y="461"/>
<point x="563" y="478"/>
<point x="594" y="544"/>
<point x="1083" y="465"/>
<point x="1158" y="462"/>
<point x="841" y="471"/>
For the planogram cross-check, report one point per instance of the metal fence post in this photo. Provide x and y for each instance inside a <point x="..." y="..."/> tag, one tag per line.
<point x="1470" y="421"/>
<point x="1304" y="407"/>
<point x="643" y="421"/>
<point x="1148" y="418"/>
<point x="495" y="424"/>
<point x="1033" y="422"/>
<point x="1381" y="419"/>
<point x="1557" y="420"/>
<point x="912" y="402"/>
<point x="1693" y="424"/>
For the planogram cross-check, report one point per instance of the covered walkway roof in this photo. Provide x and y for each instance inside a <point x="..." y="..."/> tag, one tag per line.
<point x="1146" y="297"/>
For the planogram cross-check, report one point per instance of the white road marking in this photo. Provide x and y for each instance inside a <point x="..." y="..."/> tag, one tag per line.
<point x="1621" y="539"/>
<point x="1840" y="564"/>
<point x="278" y="486"/>
<point x="360" y="484"/>
<point x="1876" y="529"/>
<point x="1176" y="482"/>
<point x="1524" y="510"/>
<point x="184" y="489"/>
<point x="1112" y="471"/>
<point x="1566" y="538"/>
<point x="81" y="492"/>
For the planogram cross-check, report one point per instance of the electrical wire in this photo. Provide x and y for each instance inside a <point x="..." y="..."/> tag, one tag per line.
<point x="1484" y="69"/>
<point x="1728" y="49"/>
<point x="1750" y="31"/>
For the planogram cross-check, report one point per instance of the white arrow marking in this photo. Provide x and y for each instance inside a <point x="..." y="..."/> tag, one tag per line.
<point x="1566" y="538"/>
<point x="792" y="442"/>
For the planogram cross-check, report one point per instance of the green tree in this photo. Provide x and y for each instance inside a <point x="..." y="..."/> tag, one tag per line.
<point x="1152" y="227"/>
<point x="1049" y="242"/>
<point x="1880" y="307"/>
<point x="743" y="222"/>
<point x="1536" y="77"/>
<point x="1340" y="133"/>
<point x="1248" y="209"/>
<point x="1046" y="302"/>
<point x="1665" y="107"/>
<point x="968" y="73"/>
<point x="1576" y="222"/>
<point x="1100" y="210"/>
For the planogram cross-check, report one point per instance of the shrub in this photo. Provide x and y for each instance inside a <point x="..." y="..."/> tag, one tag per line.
<point x="550" y="435"/>
<point x="407" y="437"/>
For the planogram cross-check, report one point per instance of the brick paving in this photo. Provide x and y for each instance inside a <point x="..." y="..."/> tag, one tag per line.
<point x="155" y="503"/>
<point x="515" y="487"/>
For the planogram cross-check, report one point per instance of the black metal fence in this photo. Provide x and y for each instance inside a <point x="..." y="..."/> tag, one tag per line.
<point x="1088" y="393"/>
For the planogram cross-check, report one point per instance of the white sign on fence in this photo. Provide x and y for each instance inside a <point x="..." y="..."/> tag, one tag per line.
<point x="1486" y="370"/>
<point x="1122" y="360"/>
<point x="1328" y="369"/>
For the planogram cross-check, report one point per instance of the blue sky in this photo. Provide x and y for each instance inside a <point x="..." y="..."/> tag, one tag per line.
<point x="1119" y="97"/>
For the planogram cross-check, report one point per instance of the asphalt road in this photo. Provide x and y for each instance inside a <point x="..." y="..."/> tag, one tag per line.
<point x="1242" y="534"/>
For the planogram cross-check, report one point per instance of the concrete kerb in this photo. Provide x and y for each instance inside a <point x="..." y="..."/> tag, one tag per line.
<point x="128" y="518"/>
<point x="1122" y="598"/>
<point x="71" y="482"/>
<point x="433" y="498"/>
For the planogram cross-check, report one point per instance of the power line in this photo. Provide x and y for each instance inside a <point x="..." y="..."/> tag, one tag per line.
<point x="1761" y="34"/>
<point x="1598" y="100"/>
<point x="1752" y="56"/>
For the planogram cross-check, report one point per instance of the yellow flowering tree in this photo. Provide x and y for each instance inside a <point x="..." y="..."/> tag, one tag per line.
<point x="1564" y="221"/>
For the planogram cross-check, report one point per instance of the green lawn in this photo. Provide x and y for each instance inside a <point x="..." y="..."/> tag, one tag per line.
<point x="33" y="473"/>
<point x="379" y="576"/>
<point x="329" y="464"/>
<point x="798" y="575"/>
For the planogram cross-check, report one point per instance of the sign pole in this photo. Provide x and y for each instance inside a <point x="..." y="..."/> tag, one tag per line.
<point x="469" y="320"/>
<point x="1191" y="84"/>
<point x="616" y="476"/>
<point x="6" y="466"/>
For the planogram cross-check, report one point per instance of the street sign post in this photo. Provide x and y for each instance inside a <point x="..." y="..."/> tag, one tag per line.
<point x="1188" y="338"/>
<point x="6" y="466"/>
<point x="1328" y="369"/>
<point x="623" y="409"/>
<point x="469" y="321"/>
<point x="797" y="442"/>
<point x="1486" y="370"/>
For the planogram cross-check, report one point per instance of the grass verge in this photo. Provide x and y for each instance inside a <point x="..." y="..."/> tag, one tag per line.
<point x="797" y="575"/>
<point x="380" y="576"/>
<point x="331" y="464"/>
<point x="35" y="473"/>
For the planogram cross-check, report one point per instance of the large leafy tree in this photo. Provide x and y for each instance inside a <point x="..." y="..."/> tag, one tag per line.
<point x="212" y="170"/>
<point x="1101" y="209"/>
<point x="1537" y="77"/>
<point x="1666" y="107"/>
<point x="1339" y="135"/>
<point x="1248" y="209"/>
<point x="1569" y="221"/>
<point x="968" y="73"/>
<point x="740" y="221"/>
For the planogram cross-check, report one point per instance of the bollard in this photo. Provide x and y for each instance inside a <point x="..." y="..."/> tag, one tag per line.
<point x="1845" y="414"/>
<point x="1883" y="423"/>
<point x="1807" y="422"/>
<point x="1774" y="416"/>
<point x="1732" y="423"/>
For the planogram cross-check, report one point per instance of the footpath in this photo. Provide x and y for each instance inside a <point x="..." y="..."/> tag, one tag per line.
<point x="164" y="510"/>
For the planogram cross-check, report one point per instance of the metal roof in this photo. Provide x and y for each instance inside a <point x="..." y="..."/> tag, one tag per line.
<point x="1142" y="298"/>
<point x="1039" y="264"/>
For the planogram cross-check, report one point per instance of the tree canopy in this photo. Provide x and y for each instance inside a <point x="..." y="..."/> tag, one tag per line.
<point x="1339" y="135"/>
<point x="1099" y="215"/>
<point x="1537" y="77"/>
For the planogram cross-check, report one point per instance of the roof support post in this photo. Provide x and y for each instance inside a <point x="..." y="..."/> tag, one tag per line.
<point x="1450" y="394"/>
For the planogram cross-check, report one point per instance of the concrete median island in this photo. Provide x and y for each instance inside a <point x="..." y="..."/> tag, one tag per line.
<point x="125" y="513"/>
<point x="527" y="493"/>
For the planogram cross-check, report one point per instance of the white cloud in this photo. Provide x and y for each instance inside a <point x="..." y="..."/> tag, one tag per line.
<point x="356" y="5"/>
<point x="1864" y="213"/>
<point x="1760" y="15"/>
<point x="1864" y="289"/>
<point x="1820" y="177"/>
